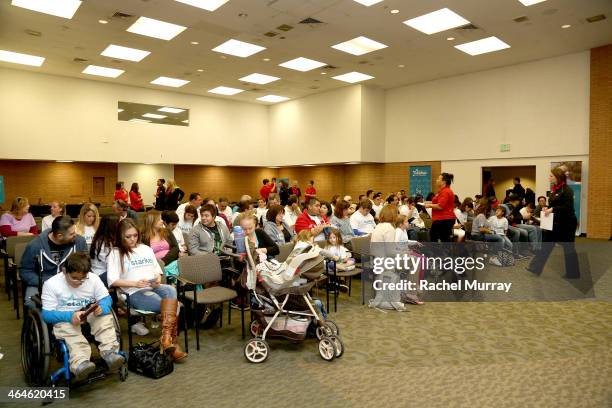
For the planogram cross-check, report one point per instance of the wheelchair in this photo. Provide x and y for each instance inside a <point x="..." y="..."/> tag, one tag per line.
<point x="42" y="353"/>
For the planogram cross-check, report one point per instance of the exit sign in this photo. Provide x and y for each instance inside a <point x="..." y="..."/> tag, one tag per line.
<point x="504" y="147"/>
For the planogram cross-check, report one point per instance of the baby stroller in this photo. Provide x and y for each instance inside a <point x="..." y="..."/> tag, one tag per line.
<point x="274" y="316"/>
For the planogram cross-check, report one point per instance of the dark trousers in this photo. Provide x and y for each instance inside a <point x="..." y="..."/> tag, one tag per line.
<point x="441" y="230"/>
<point x="572" y="268"/>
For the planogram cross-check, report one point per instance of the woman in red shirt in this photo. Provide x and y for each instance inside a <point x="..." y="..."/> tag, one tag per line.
<point x="120" y="192"/>
<point x="311" y="192"/>
<point x="442" y="210"/>
<point x="135" y="198"/>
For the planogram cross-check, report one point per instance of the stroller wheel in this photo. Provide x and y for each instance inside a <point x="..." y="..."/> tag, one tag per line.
<point x="334" y="327"/>
<point x="256" y="328"/>
<point x="338" y="344"/>
<point x="256" y="350"/>
<point x="327" y="349"/>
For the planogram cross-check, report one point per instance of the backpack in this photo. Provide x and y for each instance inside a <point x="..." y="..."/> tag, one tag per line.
<point x="506" y="258"/>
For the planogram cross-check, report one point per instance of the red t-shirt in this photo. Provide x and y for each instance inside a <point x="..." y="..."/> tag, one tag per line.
<point x="265" y="191"/>
<point x="445" y="199"/>
<point x="121" y="195"/>
<point x="311" y="192"/>
<point x="135" y="201"/>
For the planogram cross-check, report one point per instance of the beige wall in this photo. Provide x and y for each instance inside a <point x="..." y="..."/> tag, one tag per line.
<point x="372" y="124"/>
<point x="146" y="176"/>
<point x="537" y="107"/>
<point x="504" y="178"/>
<point x="46" y="117"/>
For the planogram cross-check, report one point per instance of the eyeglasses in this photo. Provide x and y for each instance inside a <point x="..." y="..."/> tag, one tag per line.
<point x="77" y="280"/>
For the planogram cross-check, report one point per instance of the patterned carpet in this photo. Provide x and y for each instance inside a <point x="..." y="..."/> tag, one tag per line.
<point x="442" y="354"/>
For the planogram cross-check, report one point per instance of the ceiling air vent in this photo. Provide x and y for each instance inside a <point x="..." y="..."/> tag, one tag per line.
<point x="468" y="27"/>
<point x="596" y="18"/>
<point x="286" y="27"/>
<point x="119" y="14"/>
<point x="521" y="19"/>
<point x="33" y="32"/>
<point x="77" y="59"/>
<point x="270" y="34"/>
<point x="310" y="20"/>
<point x="328" y="67"/>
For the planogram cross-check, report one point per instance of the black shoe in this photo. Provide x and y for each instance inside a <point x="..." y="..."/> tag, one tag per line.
<point x="571" y="277"/>
<point x="533" y="270"/>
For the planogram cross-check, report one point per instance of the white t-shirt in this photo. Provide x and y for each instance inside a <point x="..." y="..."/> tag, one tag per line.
<point x="184" y="226"/>
<point x="46" y="222"/>
<point x="180" y="239"/>
<point x="57" y="294"/>
<point x="377" y="209"/>
<point x="261" y="214"/>
<point x="228" y="212"/>
<point x="361" y="223"/>
<point x="405" y="210"/>
<point x="98" y="264"/>
<point x="339" y="251"/>
<point x="460" y="216"/>
<point x="498" y="225"/>
<point x="88" y="233"/>
<point x="290" y="217"/>
<point x="318" y="221"/>
<point x="140" y="264"/>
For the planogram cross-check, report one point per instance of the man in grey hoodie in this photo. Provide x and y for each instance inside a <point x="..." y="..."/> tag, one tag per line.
<point x="49" y="252"/>
<point x="208" y="235"/>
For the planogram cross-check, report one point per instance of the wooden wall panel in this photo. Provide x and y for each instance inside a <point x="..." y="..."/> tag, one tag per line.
<point x="48" y="181"/>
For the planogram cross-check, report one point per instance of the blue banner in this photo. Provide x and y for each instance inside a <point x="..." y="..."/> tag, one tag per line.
<point x="420" y="180"/>
<point x="2" y="190"/>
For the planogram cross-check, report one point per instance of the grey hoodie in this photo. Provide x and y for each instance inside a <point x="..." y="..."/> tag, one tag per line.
<point x="202" y="240"/>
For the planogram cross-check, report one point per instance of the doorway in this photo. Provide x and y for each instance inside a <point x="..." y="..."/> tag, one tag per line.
<point x="504" y="178"/>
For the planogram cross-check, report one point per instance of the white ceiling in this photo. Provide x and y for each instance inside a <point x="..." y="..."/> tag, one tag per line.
<point x="425" y="57"/>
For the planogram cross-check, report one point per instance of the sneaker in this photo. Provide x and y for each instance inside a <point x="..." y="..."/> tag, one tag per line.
<point x="113" y="360"/>
<point x="140" y="329"/>
<point x="494" y="261"/>
<point x="83" y="370"/>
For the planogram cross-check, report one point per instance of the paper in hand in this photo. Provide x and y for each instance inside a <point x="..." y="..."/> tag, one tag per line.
<point x="546" y="221"/>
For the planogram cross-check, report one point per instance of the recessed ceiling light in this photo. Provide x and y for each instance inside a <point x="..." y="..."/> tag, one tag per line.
<point x="225" y="90"/>
<point x="18" y="58"/>
<point x="103" y="21"/>
<point x="353" y="77"/>
<point x="166" y="81"/>
<point x="119" y="110"/>
<point x="200" y="70"/>
<point x="154" y="116"/>
<point x="210" y="5"/>
<point x="394" y="11"/>
<point x="437" y="21"/>
<point x="359" y="46"/>
<point x="566" y="26"/>
<point x="531" y="2"/>
<point x="323" y="73"/>
<point x="302" y="64"/>
<point x="102" y="71"/>
<point x="156" y="28"/>
<point x="124" y="53"/>
<point x="59" y="8"/>
<point x="139" y="120"/>
<point x="194" y="43"/>
<point x="482" y="46"/>
<point x="368" y="3"/>
<point x="273" y="98"/>
<point x="450" y="38"/>
<point x="171" y="110"/>
<point x="238" y="48"/>
<point x="185" y="121"/>
<point x="401" y="66"/>
<point x="266" y="59"/>
<point x="311" y="165"/>
<point x="64" y="161"/>
<point x="259" y="79"/>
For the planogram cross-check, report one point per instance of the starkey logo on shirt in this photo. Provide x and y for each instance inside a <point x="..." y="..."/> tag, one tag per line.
<point x="138" y="262"/>
<point x="74" y="302"/>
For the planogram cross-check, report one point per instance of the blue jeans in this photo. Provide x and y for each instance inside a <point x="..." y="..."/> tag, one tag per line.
<point x="534" y="235"/>
<point x="29" y="292"/>
<point x="496" y="240"/>
<point x="150" y="299"/>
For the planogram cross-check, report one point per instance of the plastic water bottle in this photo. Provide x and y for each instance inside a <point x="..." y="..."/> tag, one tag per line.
<point x="239" y="240"/>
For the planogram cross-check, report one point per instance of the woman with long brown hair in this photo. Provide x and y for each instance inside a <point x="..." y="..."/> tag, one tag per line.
<point x="156" y="235"/>
<point x="18" y="221"/>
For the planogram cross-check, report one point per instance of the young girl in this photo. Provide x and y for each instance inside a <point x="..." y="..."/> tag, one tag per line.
<point x="89" y="220"/>
<point x="133" y="267"/>
<point x="190" y="217"/>
<point x="162" y="242"/>
<point x="335" y="247"/>
<point x="57" y="209"/>
<point x="402" y="225"/>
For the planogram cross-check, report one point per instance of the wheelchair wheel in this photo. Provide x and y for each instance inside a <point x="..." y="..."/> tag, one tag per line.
<point x="35" y="349"/>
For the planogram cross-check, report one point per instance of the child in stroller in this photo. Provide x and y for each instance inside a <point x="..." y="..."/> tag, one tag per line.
<point x="283" y="306"/>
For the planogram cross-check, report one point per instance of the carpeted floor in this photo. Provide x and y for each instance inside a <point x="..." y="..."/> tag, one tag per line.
<point x="443" y="354"/>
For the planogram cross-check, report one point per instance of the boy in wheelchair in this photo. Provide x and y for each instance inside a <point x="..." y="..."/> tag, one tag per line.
<point x="63" y="298"/>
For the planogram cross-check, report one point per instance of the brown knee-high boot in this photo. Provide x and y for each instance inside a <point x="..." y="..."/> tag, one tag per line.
<point x="170" y="329"/>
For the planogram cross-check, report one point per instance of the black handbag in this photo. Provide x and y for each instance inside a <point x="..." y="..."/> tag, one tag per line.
<point x="148" y="360"/>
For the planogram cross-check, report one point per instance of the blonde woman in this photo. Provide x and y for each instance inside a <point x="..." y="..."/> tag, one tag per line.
<point x="57" y="209"/>
<point x="174" y="195"/>
<point x="156" y="235"/>
<point x="18" y="221"/>
<point x="88" y="222"/>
